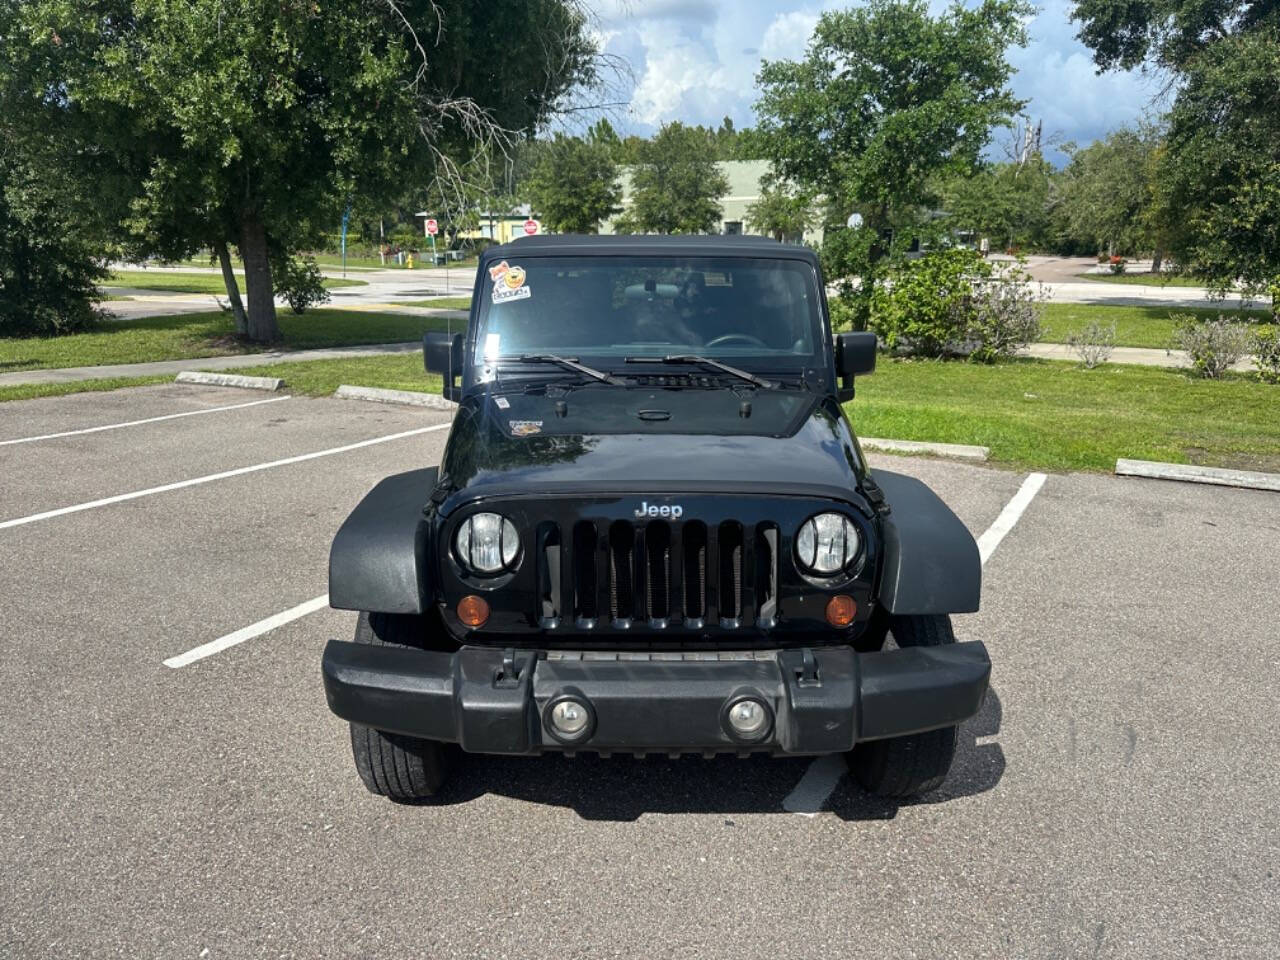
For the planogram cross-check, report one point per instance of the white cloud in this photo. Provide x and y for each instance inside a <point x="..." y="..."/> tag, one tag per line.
<point x="696" y="61"/>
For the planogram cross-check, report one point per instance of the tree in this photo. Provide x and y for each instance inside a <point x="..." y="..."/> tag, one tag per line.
<point x="49" y="271"/>
<point x="255" y="123"/>
<point x="1218" y="176"/>
<point x="1006" y="201"/>
<point x="887" y="101"/>
<point x="675" y="184"/>
<point x="1105" y="193"/>
<point x="781" y="211"/>
<point x="574" y="184"/>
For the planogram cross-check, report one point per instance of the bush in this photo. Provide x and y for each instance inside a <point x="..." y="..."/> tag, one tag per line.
<point x="300" y="282"/>
<point x="49" y="270"/>
<point x="955" y="302"/>
<point x="1006" y="318"/>
<point x="1118" y="264"/>
<point x="842" y="313"/>
<point x="1093" y="343"/>
<point x="1266" y="354"/>
<point x="1214" y="346"/>
<point x="928" y="304"/>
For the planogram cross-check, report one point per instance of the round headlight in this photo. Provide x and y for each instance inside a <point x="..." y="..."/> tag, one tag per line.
<point x="827" y="543"/>
<point x="486" y="543"/>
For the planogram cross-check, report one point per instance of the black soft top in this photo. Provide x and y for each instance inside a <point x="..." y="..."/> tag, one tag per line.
<point x="622" y="245"/>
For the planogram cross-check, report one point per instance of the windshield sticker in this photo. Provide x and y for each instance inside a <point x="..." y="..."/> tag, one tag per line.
<point x="508" y="282"/>
<point x="492" y="342"/>
<point x="502" y="402"/>
<point x="525" y="428"/>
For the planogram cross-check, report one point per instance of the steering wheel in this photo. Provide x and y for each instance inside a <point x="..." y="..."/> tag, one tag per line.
<point x="737" y="338"/>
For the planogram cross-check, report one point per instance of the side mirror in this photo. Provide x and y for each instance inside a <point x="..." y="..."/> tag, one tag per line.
<point x="855" y="357"/>
<point x="442" y="354"/>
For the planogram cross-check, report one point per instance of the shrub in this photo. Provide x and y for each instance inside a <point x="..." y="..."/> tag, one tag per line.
<point x="1006" y="315"/>
<point x="928" y="304"/>
<point x="1266" y="354"/>
<point x="1093" y="343"/>
<point x="954" y="302"/>
<point x="1212" y="345"/>
<point x="49" y="268"/>
<point x="842" y="313"/>
<point x="1118" y="264"/>
<point x="300" y="282"/>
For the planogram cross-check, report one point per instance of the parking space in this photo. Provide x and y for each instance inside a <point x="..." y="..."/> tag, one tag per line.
<point x="1117" y="797"/>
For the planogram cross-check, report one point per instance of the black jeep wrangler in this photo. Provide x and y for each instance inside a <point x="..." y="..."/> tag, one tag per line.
<point x="652" y="532"/>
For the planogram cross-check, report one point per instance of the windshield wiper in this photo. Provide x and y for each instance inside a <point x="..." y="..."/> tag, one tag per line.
<point x="708" y="362"/>
<point x="569" y="363"/>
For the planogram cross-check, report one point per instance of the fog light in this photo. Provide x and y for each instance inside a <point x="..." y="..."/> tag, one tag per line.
<point x="841" y="610"/>
<point x="569" y="719"/>
<point x="748" y="719"/>
<point x="473" y="611"/>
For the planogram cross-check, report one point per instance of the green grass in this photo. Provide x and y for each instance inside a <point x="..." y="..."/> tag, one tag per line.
<point x="1058" y="416"/>
<point x="319" y="378"/>
<point x="28" y="391"/>
<point x="442" y="303"/>
<point x="1135" y="326"/>
<point x="209" y="334"/>
<point x="1144" y="279"/>
<point x="177" y="282"/>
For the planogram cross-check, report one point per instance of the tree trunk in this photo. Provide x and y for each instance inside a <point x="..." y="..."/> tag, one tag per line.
<point x="233" y="289"/>
<point x="1157" y="259"/>
<point x="262" y="326"/>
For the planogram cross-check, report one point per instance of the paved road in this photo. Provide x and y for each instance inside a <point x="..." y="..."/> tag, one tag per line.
<point x="382" y="290"/>
<point x="1118" y="796"/>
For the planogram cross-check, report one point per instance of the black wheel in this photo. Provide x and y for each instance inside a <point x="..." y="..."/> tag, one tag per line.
<point x="391" y="765"/>
<point x="919" y="762"/>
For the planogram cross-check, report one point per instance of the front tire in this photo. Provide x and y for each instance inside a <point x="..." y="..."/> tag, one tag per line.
<point x="918" y="762"/>
<point x="392" y="765"/>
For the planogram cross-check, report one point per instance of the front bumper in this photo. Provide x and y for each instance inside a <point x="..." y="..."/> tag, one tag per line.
<point x="822" y="700"/>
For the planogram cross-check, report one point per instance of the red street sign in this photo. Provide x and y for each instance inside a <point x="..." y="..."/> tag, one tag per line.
<point x="530" y="227"/>
<point x="432" y="227"/>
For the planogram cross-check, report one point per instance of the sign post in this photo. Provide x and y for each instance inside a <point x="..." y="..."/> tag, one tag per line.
<point x="431" y="228"/>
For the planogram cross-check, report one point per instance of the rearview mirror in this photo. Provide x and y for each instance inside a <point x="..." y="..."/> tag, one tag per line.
<point x="855" y="356"/>
<point x="442" y="354"/>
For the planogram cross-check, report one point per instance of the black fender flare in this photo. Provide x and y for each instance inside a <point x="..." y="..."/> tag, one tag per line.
<point x="378" y="558"/>
<point x="931" y="561"/>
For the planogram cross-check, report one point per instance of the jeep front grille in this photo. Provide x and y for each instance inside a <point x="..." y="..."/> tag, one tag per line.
<point x="658" y="574"/>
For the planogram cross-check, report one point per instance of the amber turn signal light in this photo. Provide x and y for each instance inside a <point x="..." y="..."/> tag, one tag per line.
<point x="473" y="611"/>
<point x="841" y="610"/>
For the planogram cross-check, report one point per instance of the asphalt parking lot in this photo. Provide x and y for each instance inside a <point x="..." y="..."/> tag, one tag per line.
<point x="1118" y="796"/>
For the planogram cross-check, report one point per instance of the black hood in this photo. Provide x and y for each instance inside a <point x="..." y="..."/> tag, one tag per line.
<point x="604" y="439"/>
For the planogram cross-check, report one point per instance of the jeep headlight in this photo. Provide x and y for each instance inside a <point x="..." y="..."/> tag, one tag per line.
<point x="486" y="543"/>
<point x="827" y="543"/>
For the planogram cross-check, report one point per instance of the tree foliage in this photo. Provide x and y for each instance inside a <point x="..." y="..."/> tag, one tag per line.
<point x="574" y="184"/>
<point x="888" y="100"/>
<point x="49" y="270"/>
<point x="1008" y="202"/>
<point x="782" y="211"/>
<point x="1105" y="198"/>
<point x="675" y="184"/>
<point x="255" y="122"/>
<point x="1219" y="175"/>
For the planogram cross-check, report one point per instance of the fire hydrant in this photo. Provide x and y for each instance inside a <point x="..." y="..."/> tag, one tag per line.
<point x="409" y="262"/>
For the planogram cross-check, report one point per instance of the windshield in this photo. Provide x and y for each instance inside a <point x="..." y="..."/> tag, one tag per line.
<point x="755" y="313"/>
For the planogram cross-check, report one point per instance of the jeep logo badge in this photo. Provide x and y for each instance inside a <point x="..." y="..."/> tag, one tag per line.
<point x="646" y="509"/>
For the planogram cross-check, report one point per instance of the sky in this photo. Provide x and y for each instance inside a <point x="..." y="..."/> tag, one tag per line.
<point x="696" y="60"/>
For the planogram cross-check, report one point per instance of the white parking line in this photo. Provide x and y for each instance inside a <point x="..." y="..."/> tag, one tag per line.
<point x="988" y="542"/>
<point x="224" y="475"/>
<point x="247" y="633"/>
<point x="822" y="776"/>
<point x="134" y="423"/>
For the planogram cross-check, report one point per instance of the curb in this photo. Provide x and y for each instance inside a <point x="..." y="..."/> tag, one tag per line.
<point x="408" y="397"/>
<point x="956" y="451"/>
<point x="201" y="378"/>
<point x="1188" y="473"/>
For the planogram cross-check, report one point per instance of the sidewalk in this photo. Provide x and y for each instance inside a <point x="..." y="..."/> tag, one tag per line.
<point x="1136" y="356"/>
<point x="69" y="374"/>
<point x="1049" y="351"/>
